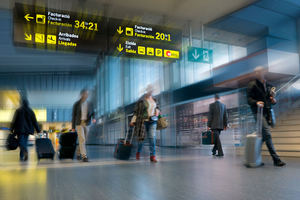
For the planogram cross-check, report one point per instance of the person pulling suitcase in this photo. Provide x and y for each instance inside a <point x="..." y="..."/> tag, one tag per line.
<point x="144" y="120"/>
<point x="24" y="123"/>
<point x="259" y="95"/>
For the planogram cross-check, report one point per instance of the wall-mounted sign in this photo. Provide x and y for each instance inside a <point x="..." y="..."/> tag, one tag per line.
<point x="140" y="40"/>
<point x="200" y="55"/>
<point x="40" y="27"/>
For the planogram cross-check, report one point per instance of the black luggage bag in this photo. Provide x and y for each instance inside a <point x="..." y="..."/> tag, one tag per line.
<point x="67" y="143"/>
<point x="208" y="137"/>
<point x="123" y="147"/>
<point x="12" y="142"/>
<point x="44" y="148"/>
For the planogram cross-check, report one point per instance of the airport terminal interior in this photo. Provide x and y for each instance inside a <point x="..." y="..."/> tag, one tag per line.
<point x="125" y="99"/>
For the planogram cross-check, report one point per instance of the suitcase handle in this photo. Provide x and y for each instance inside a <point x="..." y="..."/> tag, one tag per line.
<point x="127" y="133"/>
<point x="259" y="121"/>
<point x="128" y="129"/>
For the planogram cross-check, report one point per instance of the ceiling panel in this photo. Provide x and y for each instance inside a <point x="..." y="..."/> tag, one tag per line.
<point x="172" y="10"/>
<point x="237" y="25"/>
<point x="280" y="6"/>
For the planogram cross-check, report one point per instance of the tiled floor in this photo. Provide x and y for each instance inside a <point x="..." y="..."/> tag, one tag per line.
<point x="180" y="174"/>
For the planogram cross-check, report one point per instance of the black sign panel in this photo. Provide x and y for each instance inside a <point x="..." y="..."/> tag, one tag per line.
<point x="40" y="27"/>
<point x="141" y="40"/>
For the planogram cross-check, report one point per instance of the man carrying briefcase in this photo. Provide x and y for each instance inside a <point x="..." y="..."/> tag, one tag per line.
<point x="217" y="121"/>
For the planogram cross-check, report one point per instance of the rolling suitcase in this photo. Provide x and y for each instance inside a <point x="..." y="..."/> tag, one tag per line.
<point x="123" y="147"/>
<point x="253" y="144"/>
<point x="44" y="148"/>
<point x="67" y="143"/>
<point x="207" y="137"/>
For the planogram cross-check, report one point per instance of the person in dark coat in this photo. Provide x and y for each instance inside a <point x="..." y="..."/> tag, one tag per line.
<point x="217" y="121"/>
<point x="82" y="114"/>
<point x="259" y="94"/>
<point x="24" y="123"/>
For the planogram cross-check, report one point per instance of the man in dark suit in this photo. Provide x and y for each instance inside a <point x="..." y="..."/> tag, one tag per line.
<point x="259" y="93"/>
<point x="217" y="121"/>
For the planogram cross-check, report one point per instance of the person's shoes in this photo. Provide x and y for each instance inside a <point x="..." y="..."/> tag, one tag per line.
<point x="220" y="155"/>
<point x="25" y="157"/>
<point x="153" y="159"/>
<point x="78" y="157"/>
<point x="85" y="159"/>
<point x="214" y="153"/>
<point x="137" y="156"/>
<point x="279" y="163"/>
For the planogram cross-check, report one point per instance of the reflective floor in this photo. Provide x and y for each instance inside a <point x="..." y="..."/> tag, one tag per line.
<point x="180" y="174"/>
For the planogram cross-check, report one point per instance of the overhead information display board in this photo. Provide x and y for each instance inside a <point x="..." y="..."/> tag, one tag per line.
<point x="140" y="40"/>
<point x="47" y="28"/>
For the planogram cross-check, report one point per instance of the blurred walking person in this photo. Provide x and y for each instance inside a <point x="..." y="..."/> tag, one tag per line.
<point x="82" y="115"/>
<point x="259" y="93"/>
<point x="145" y="121"/>
<point x="217" y="121"/>
<point x="24" y="123"/>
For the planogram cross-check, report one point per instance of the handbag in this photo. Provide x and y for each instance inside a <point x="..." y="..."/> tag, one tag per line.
<point x="162" y="123"/>
<point x="12" y="142"/>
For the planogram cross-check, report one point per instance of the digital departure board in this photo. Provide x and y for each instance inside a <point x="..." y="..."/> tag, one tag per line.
<point x="141" y="40"/>
<point x="47" y="28"/>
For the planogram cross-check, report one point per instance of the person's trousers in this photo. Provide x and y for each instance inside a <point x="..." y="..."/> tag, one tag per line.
<point x="23" y="142"/>
<point x="267" y="138"/>
<point x="217" y="141"/>
<point x="82" y="131"/>
<point x="150" y="128"/>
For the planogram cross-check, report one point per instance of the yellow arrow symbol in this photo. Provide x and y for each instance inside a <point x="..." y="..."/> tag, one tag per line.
<point x="120" y="48"/>
<point x="120" y="31"/>
<point x="28" y="37"/>
<point x="27" y="17"/>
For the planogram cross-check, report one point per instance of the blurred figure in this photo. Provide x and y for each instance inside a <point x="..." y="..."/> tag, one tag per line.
<point x="82" y="115"/>
<point x="217" y="121"/>
<point x="24" y="122"/>
<point x="259" y="94"/>
<point x="145" y="121"/>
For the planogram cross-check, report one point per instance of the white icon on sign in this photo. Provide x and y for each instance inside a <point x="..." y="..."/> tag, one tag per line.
<point x="195" y="55"/>
<point x="205" y="56"/>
